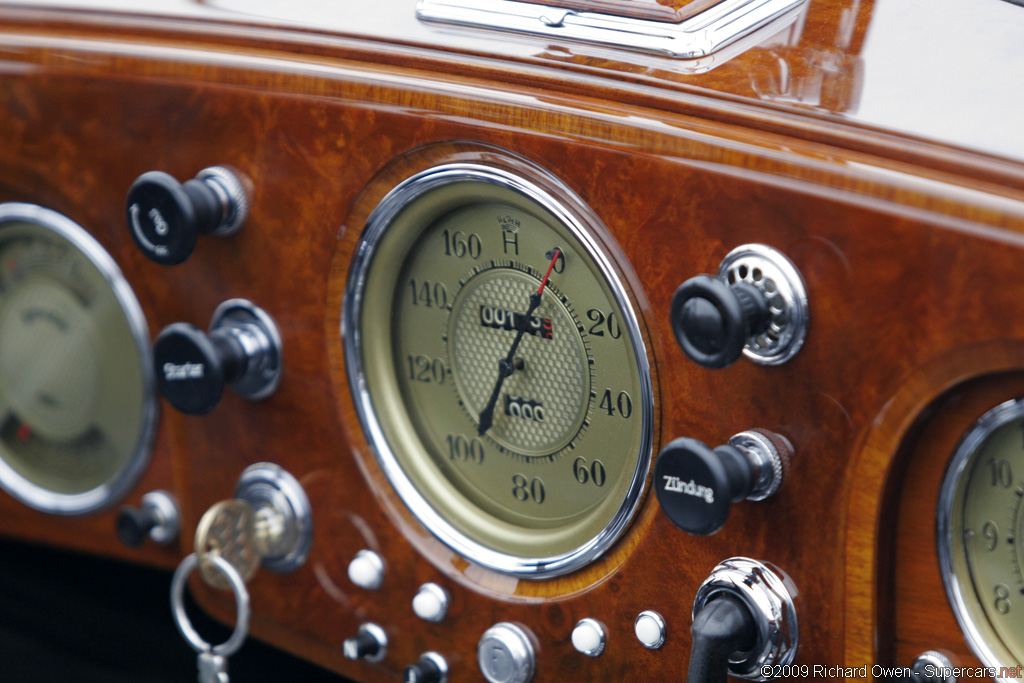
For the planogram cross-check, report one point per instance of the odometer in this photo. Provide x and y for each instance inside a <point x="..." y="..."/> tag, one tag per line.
<point x="499" y="369"/>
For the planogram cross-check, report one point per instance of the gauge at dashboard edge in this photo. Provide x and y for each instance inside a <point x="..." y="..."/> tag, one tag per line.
<point x="77" y="411"/>
<point x="979" y="530"/>
<point x="566" y="434"/>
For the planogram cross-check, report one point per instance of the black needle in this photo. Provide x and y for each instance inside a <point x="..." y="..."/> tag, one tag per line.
<point x="506" y="366"/>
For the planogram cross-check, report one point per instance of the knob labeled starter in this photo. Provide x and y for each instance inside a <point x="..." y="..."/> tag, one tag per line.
<point x="697" y="485"/>
<point x="756" y="306"/>
<point x="241" y="350"/>
<point x="166" y="217"/>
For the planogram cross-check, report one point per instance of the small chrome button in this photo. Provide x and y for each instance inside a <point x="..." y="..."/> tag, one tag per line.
<point x="506" y="654"/>
<point x="431" y="603"/>
<point x="588" y="637"/>
<point x="366" y="570"/>
<point x="650" y="629"/>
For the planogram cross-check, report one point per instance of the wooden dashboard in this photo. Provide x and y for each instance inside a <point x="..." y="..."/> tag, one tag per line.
<point x="910" y="247"/>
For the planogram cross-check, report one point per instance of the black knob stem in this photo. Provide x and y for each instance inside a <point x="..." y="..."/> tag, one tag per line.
<point x="696" y="485"/>
<point x="723" y="628"/>
<point x="712" y="320"/>
<point x="134" y="524"/>
<point x="423" y="671"/>
<point x="361" y="646"/>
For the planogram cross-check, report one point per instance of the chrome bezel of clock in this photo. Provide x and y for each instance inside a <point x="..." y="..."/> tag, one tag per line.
<point x="117" y="487"/>
<point x="378" y="222"/>
<point x="971" y="441"/>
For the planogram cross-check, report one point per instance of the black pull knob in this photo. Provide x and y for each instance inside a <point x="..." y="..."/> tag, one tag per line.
<point x="697" y="485"/>
<point x="134" y="524"/>
<point x="712" y="320"/>
<point x="193" y="367"/>
<point x="242" y="350"/>
<point x="156" y="518"/>
<point x="370" y="644"/>
<point x="361" y="646"/>
<point x="431" y="668"/>
<point x="723" y="627"/>
<point x="165" y="217"/>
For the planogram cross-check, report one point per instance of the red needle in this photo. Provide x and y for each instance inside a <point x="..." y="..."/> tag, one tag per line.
<point x="551" y="266"/>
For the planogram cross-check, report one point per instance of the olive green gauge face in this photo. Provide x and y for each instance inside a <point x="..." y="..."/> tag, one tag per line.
<point x="980" y="532"/>
<point x="501" y="374"/>
<point x="76" y="407"/>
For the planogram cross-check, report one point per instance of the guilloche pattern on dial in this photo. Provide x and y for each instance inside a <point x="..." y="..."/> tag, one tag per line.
<point x="543" y="403"/>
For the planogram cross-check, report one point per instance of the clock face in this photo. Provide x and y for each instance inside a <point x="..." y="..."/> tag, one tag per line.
<point x="501" y="373"/>
<point x="981" y="522"/>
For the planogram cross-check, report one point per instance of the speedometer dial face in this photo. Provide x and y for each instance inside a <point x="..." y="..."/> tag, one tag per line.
<point x="499" y="370"/>
<point x="980" y="532"/>
<point x="76" y="405"/>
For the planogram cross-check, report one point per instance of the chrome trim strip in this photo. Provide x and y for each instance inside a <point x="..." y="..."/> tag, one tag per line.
<point x="698" y="36"/>
<point x="112" y="491"/>
<point x="378" y="222"/>
<point x="971" y="441"/>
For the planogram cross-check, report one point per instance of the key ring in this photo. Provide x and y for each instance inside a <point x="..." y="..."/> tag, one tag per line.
<point x="231" y="645"/>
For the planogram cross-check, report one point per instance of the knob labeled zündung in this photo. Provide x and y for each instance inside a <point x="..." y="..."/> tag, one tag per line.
<point x="697" y="485"/>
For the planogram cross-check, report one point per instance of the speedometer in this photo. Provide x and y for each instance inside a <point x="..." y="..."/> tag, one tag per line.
<point x="499" y="369"/>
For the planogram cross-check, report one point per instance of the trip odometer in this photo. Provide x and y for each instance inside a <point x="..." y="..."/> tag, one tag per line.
<point x="499" y="369"/>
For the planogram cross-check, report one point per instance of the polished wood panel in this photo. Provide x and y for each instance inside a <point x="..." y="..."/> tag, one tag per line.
<point x="909" y="258"/>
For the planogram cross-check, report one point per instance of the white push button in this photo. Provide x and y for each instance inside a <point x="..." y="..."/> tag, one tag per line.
<point x="430" y="603"/>
<point x="588" y="637"/>
<point x="366" y="570"/>
<point x="650" y="629"/>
